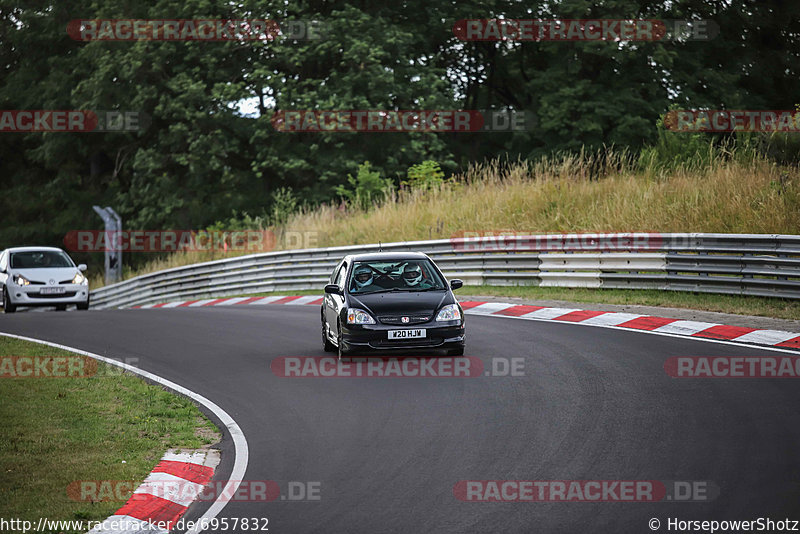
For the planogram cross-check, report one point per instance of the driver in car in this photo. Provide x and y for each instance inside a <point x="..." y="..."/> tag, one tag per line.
<point x="412" y="276"/>
<point x="362" y="278"/>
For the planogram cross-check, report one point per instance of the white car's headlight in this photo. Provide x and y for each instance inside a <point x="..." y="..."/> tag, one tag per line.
<point x="21" y="280"/>
<point x="357" y="316"/>
<point x="449" y="313"/>
<point x="79" y="279"/>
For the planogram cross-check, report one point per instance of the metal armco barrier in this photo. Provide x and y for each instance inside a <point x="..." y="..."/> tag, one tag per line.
<point x="736" y="264"/>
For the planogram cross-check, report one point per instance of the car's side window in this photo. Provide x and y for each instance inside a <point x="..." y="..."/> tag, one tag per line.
<point x="334" y="274"/>
<point x="4" y="261"/>
<point x="340" y="276"/>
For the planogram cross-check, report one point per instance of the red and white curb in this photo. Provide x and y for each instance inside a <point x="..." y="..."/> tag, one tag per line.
<point x="647" y="323"/>
<point x="252" y="301"/>
<point x="644" y="323"/>
<point x="165" y="494"/>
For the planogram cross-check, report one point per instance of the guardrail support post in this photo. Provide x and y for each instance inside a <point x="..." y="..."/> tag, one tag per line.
<point x="113" y="258"/>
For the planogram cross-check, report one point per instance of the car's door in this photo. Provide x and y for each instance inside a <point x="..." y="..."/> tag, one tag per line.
<point x="326" y="300"/>
<point x="3" y="267"/>
<point x="335" y="302"/>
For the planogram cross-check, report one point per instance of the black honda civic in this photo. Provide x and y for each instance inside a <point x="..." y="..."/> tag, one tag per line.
<point x="390" y="301"/>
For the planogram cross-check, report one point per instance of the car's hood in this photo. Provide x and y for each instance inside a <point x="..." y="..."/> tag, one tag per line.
<point x="402" y="302"/>
<point x="57" y="274"/>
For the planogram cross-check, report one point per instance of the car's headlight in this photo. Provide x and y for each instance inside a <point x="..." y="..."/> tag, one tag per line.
<point x="79" y="279"/>
<point x="449" y="313"/>
<point x="21" y="280"/>
<point x="356" y="316"/>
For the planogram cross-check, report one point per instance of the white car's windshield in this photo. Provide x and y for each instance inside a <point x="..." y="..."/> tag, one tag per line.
<point x="40" y="259"/>
<point x="401" y="275"/>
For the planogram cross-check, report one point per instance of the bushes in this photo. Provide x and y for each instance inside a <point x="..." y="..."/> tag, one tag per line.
<point x="700" y="150"/>
<point x="366" y="188"/>
<point x="284" y="205"/>
<point x="672" y="150"/>
<point x="425" y="175"/>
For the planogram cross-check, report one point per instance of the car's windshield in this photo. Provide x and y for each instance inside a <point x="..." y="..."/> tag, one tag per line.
<point x="40" y="259"/>
<point x="398" y="275"/>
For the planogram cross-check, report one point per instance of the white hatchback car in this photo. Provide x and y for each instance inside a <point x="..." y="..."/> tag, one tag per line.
<point x="41" y="276"/>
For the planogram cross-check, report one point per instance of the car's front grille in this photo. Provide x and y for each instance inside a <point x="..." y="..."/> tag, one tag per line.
<point x="53" y="295"/>
<point x="398" y="319"/>
<point x="66" y="281"/>
<point x="415" y="342"/>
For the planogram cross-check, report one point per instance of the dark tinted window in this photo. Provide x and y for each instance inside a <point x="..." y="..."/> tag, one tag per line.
<point x="40" y="259"/>
<point x="400" y="275"/>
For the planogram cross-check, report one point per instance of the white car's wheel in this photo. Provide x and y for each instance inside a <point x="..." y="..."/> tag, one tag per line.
<point x="8" y="307"/>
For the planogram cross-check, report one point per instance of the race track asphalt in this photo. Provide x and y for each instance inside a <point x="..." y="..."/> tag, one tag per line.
<point x="593" y="404"/>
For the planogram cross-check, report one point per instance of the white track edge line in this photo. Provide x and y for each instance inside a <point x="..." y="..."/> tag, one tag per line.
<point x="241" y="452"/>
<point x="636" y="331"/>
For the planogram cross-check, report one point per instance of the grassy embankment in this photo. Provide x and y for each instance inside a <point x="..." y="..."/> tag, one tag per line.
<point x="574" y="195"/>
<point x="111" y="426"/>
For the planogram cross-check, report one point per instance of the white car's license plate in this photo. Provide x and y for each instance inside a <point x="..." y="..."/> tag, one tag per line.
<point x="51" y="290"/>
<point x="406" y="334"/>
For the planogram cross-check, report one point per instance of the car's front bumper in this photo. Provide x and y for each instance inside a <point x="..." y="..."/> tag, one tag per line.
<point x="31" y="295"/>
<point x="376" y="337"/>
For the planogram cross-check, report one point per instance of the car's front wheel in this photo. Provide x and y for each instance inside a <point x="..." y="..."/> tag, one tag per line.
<point x="343" y="354"/>
<point x="83" y="305"/>
<point x="326" y="341"/>
<point x="7" y="306"/>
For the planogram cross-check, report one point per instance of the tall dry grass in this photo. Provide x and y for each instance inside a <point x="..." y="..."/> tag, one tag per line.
<point x="730" y="197"/>
<point x="605" y="192"/>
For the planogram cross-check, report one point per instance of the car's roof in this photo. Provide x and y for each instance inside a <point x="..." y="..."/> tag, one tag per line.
<point x="387" y="256"/>
<point x="33" y="249"/>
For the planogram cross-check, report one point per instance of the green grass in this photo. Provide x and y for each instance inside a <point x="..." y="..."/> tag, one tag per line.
<point x="761" y="306"/>
<point x="59" y="430"/>
<point x="554" y="196"/>
<point x="282" y="293"/>
<point x="728" y="195"/>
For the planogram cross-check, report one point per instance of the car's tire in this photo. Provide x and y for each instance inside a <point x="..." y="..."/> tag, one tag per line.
<point x="83" y="305"/>
<point x="343" y="354"/>
<point x="7" y="306"/>
<point x="61" y="307"/>
<point x="327" y="346"/>
<point x="456" y="352"/>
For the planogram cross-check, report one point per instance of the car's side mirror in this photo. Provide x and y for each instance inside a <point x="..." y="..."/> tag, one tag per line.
<point x="455" y="283"/>
<point x="333" y="289"/>
<point x="82" y="267"/>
